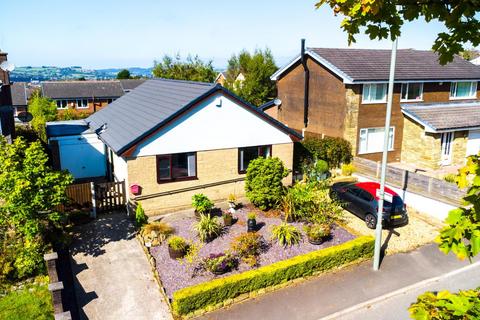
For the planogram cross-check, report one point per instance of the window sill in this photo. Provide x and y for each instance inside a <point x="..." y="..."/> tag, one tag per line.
<point x="463" y="98"/>
<point x="177" y="180"/>
<point x="412" y="100"/>
<point x="373" y="152"/>
<point x="83" y="108"/>
<point x="374" y="102"/>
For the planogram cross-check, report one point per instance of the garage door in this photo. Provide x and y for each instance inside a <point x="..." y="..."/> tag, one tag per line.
<point x="473" y="143"/>
<point x="83" y="156"/>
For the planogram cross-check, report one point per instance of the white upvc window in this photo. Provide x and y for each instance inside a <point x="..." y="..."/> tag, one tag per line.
<point x="374" y="93"/>
<point x="412" y="91"/>
<point x="82" y="104"/>
<point x="371" y="140"/>
<point x="62" y="104"/>
<point x="463" y="90"/>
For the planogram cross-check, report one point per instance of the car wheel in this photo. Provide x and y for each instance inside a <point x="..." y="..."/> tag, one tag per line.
<point x="370" y="221"/>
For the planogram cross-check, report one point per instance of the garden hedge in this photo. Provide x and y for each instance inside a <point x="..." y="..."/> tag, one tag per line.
<point x="190" y="299"/>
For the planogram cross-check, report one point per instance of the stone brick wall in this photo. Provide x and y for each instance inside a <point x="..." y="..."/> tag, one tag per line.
<point x="424" y="149"/>
<point x="351" y="118"/>
<point x="212" y="167"/>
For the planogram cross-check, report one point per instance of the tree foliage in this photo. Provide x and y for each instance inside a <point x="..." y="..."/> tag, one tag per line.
<point x="42" y="109"/>
<point x="470" y="54"/>
<point x="124" y="74"/>
<point x="384" y="18"/>
<point x="462" y="233"/>
<point x="193" y="69"/>
<point x="256" y="68"/>
<point x="29" y="193"/>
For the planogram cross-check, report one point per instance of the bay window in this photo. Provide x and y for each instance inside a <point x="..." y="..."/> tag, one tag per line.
<point x="374" y="93"/>
<point x="463" y="90"/>
<point x="412" y="91"/>
<point x="175" y="167"/>
<point x="247" y="154"/>
<point x="371" y="140"/>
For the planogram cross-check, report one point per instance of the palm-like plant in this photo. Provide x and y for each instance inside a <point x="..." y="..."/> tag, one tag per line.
<point x="208" y="227"/>
<point x="286" y="234"/>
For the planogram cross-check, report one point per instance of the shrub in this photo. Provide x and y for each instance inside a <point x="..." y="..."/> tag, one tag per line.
<point x="451" y="177"/>
<point x="177" y="243"/>
<point x="348" y="169"/>
<point x="210" y="293"/>
<point x="299" y="201"/>
<point x="263" y="184"/>
<point x="316" y="171"/>
<point x="251" y="216"/>
<point x="446" y="305"/>
<point x="232" y="198"/>
<point x="247" y="246"/>
<point x="219" y="263"/>
<point x="140" y="217"/>
<point x="157" y="229"/>
<point x="201" y="203"/>
<point x="317" y="231"/>
<point x="208" y="227"/>
<point x="333" y="150"/>
<point x="286" y="234"/>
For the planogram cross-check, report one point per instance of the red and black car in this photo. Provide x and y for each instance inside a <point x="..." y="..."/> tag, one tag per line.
<point x="361" y="199"/>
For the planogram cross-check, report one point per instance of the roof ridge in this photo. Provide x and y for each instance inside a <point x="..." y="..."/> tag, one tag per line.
<point x="212" y="84"/>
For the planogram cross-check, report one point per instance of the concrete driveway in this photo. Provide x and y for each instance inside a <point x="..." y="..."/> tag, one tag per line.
<point x="112" y="276"/>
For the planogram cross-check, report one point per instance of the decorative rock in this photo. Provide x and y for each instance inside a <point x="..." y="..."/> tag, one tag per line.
<point x="148" y="244"/>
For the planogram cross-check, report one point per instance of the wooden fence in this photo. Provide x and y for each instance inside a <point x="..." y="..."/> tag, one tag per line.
<point x="108" y="196"/>
<point x="413" y="182"/>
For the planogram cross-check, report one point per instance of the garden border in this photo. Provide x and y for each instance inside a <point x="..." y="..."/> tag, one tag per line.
<point x="205" y="297"/>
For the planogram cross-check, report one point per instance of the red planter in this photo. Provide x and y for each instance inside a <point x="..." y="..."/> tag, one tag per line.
<point x="135" y="189"/>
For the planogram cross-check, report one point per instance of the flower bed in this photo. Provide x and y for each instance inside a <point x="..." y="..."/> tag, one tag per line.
<point x="177" y="274"/>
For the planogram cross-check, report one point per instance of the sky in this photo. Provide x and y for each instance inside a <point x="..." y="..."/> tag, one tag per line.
<point x="128" y="33"/>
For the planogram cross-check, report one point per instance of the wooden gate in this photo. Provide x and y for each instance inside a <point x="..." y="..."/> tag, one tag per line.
<point x="79" y="197"/>
<point x="110" y="196"/>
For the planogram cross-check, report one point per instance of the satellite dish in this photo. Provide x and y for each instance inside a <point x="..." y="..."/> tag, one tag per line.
<point x="7" y="66"/>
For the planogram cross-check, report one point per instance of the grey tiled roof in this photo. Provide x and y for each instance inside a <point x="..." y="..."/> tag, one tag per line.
<point x="130" y="84"/>
<point x="19" y="93"/>
<point x="82" y="89"/>
<point x="445" y="116"/>
<point x="143" y="109"/>
<point x="374" y="64"/>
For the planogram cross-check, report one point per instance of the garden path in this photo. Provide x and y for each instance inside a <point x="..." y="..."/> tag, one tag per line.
<point x="112" y="277"/>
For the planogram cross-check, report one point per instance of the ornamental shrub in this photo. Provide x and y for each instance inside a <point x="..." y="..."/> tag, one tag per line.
<point x="333" y="150"/>
<point x="200" y="296"/>
<point x="263" y="184"/>
<point x="447" y="305"/>
<point x="208" y="227"/>
<point x="348" y="169"/>
<point x="140" y="217"/>
<point x="286" y="234"/>
<point x="201" y="203"/>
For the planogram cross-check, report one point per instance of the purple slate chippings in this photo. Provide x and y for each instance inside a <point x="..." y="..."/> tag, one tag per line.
<point x="176" y="275"/>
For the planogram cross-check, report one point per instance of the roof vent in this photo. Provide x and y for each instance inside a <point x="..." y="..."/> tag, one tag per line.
<point x="103" y="128"/>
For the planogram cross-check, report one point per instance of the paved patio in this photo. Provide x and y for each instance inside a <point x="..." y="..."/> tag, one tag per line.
<point x="112" y="276"/>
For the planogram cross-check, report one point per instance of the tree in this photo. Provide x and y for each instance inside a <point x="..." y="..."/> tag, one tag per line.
<point x="193" y="69"/>
<point x="470" y="54"/>
<point x="382" y="19"/>
<point x="42" y="109"/>
<point x="256" y="68"/>
<point x="29" y="193"/>
<point x="124" y="74"/>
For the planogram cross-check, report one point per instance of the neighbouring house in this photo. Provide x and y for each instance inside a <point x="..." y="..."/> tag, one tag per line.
<point x="21" y="93"/>
<point x="130" y="84"/>
<point x="75" y="147"/>
<point x="7" y="123"/>
<point x="222" y="77"/>
<point x="84" y="97"/>
<point x="343" y="93"/>
<point x="171" y="139"/>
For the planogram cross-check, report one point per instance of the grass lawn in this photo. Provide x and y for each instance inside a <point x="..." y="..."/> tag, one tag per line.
<point x="32" y="302"/>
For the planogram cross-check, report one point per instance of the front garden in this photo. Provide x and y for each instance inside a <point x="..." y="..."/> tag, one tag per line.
<point x="208" y="259"/>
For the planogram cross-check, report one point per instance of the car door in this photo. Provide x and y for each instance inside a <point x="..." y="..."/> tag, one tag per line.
<point x="365" y="203"/>
<point x="351" y="198"/>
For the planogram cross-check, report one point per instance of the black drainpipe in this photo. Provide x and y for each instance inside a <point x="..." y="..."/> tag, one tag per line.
<point x="307" y="77"/>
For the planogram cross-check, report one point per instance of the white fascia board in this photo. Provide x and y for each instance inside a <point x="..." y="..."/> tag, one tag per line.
<point x="346" y="79"/>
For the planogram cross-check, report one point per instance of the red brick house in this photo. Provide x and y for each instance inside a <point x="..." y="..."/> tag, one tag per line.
<point x="343" y="93"/>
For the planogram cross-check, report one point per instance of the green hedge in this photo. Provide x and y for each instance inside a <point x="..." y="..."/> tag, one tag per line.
<point x="199" y="296"/>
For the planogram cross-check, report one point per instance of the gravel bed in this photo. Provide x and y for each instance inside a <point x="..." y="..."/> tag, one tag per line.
<point x="176" y="274"/>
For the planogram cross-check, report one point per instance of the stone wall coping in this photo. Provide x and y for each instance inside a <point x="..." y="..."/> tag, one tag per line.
<point x="50" y="256"/>
<point x="55" y="286"/>
<point x="63" y="316"/>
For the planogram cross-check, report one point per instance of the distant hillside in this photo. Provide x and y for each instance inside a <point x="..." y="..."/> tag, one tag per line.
<point x="44" y="73"/>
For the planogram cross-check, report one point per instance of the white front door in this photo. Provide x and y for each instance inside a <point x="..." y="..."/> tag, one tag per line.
<point x="447" y="139"/>
<point x="473" y="143"/>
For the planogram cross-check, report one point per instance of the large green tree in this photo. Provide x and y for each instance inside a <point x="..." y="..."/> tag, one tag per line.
<point x="42" y="109"/>
<point x="256" y="69"/>
<point x="30" y="191"/>
<point x="384" y="18"/>
<point x="124" y="74"/>
<point x="193" y="69"/>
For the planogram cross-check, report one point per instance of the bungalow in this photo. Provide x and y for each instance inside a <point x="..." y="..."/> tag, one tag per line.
<point x="171" y="139"/>
<point x="21" y="93"/>
<point x="343" y="93"/>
